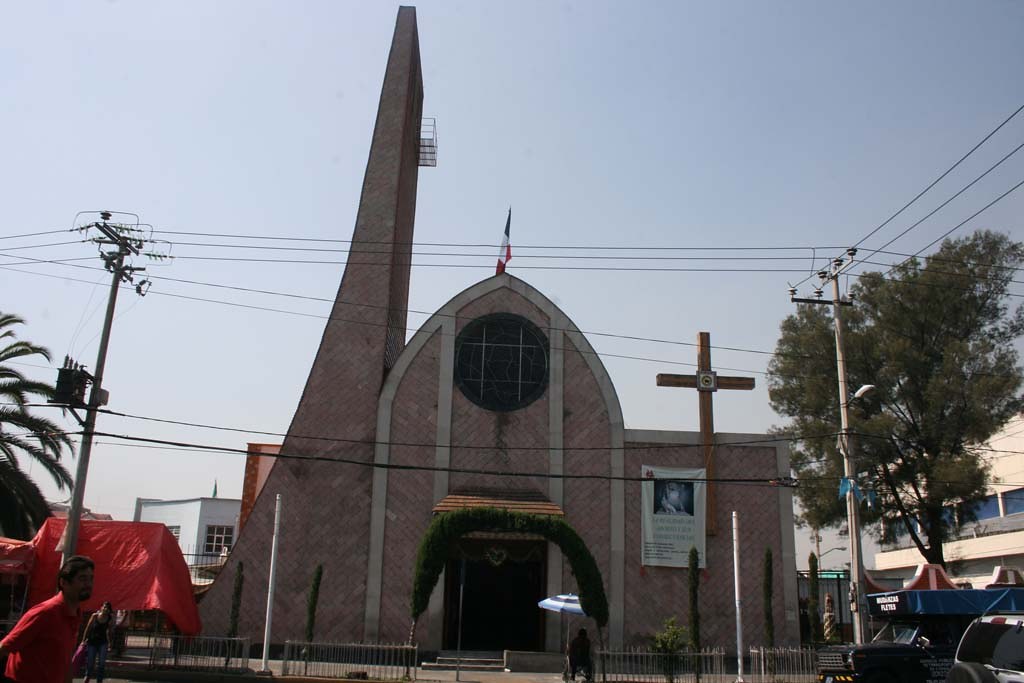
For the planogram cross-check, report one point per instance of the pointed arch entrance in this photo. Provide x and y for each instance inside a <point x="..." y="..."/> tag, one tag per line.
<point x="448" y="528"/>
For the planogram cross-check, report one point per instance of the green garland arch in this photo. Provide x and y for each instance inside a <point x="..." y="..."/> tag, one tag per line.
<point x="450" y="526"/>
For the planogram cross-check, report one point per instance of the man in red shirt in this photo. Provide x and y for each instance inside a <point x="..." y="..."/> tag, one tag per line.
<point x="44" y="639"/>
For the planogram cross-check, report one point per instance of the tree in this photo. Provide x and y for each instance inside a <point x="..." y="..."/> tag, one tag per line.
<point x="693" y="578"/>
<point x="669" y="643"/>
<point x="769" y="596"/>
<point x="23" y="435"/>
<point x="813" y="618"/>
<point x="936" y="338"/>
<point x="311" y="602"/>
<point x="236" y="600"/>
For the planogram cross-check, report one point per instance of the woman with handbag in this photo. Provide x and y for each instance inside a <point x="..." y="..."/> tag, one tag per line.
<point x="98" y="636"/>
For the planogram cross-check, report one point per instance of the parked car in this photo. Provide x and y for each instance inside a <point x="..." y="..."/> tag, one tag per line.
<point x="991" y="651"/>
<point x="920" y="637"/>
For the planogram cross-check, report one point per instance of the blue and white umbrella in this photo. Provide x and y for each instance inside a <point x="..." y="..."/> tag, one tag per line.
<point x="568" y="603"/>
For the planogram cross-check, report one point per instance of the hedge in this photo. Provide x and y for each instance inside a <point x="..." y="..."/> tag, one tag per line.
<point x="448" y="527"/>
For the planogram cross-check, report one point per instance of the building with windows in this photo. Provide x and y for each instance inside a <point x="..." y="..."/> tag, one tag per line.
<point x="989" y="535"/>
<point x="205" y="528"/>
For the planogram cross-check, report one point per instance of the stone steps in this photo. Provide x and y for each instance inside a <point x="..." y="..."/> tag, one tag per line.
<point x="467" y="661"/>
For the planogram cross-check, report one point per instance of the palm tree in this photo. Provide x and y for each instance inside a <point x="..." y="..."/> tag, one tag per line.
<point x="24" y="435"/>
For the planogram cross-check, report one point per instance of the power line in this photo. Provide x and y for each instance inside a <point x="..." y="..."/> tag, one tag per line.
<point x="433" y="445"/>
<point x="773" y="481"/>
<point x="538" y="256"/>
<point x="40" y="246"/>
<point x="32" y="234"/>
<point x="488" y="266"/>
<point x="957" y="262"/>
<point x="943" y="175"/>
<point x="483" y="245"/>
<point x="929" y="186"/>
<point x="412" y="329"/>
<point x="943" y="204"/>
<point x="963" y="222"/>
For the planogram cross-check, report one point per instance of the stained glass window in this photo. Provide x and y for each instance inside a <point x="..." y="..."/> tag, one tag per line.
<point x="501" y="362"/>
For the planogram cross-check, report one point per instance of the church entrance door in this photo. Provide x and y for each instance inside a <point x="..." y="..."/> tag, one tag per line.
<point x="504" y="581"/>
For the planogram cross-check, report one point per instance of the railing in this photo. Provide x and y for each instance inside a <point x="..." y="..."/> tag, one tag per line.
<point x="639" y="666"/>
<point x="789" y="664"/>
<point x="349" y="660"/>
<point x="199" y="653"/>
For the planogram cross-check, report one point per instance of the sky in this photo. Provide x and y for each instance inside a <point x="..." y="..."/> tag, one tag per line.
<point x="745" y="142"/>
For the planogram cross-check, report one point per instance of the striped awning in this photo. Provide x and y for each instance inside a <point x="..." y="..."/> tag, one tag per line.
<point x="530" y="502"/>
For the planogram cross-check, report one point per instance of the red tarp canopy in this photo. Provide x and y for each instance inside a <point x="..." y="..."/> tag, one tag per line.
<point x="16" y="557"/>
<point x="930" y="577"/>
<point x="138" y="566"/>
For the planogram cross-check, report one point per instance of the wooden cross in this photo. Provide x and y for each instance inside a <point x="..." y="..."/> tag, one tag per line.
<point x="706" y="382"/>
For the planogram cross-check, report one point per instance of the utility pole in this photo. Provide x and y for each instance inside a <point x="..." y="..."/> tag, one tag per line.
<point x="125" y="244"/>
<point x="856" y="595"/>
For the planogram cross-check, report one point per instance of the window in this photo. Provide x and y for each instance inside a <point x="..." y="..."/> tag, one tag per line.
<point x="998" y="643"/>
<point x="987" y="509"/>
<point x="175" y="531"/>
<point x="501" y="362"/>
<point x="1014" y="501"/>
<point x="218" y="538"/>
<point x="894" y="530"/>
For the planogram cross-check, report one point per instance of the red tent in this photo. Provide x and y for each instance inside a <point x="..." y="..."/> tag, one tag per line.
<point x="930" y="577"/>
<point x="16" y="557"/>
<point x="138" y="566"/>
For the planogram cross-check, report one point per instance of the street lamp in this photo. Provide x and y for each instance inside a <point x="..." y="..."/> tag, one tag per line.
<point x="840" y="547"/>
<point x="852" y="509"/>
<point x="863" y="390"/>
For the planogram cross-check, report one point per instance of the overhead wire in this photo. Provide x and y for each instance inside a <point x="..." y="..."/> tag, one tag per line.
<point x="965" y="221"/>
<point x="774" y="482"/>
<point x="781" y="437"/>
<point x="33" y="234"/>
<point x="488" y="266"/>
<point x="765" y="481"/>
<point x="413" y="329"/>
<point x="930" y="185"/>
<point x="945" y="173"/>
<point x="548" y="256"/>
<point x="945" y="203"/>
<point x="767" y="439"/>
<point x="542" y="256"/>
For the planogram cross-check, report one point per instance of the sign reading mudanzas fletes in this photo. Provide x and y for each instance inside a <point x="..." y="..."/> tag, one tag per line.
<point x="674" y="508"/>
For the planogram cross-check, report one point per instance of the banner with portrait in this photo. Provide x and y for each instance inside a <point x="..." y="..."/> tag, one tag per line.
<point x="673" y="503"/>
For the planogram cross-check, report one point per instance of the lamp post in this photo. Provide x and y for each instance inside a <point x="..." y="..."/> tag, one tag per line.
<point x="849" y="473"/>
<point x="840" y="547"/>
<point x="856" y="596"/>
<point x="832" y="273"/>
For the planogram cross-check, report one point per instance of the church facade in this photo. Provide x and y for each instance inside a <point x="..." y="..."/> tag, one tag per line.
<point x="497" y="400"/>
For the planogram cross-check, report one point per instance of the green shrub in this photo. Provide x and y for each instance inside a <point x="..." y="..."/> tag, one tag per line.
<point x="447" y="528"/>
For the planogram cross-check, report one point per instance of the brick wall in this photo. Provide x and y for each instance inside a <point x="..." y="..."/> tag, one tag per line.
<point x="656" y="593"/>
<point x="326" y="505"/>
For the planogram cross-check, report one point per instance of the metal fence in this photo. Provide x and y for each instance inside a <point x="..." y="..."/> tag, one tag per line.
<point x="640" y="666"/>
<point x="349" y="660"/>
<point x="198" y="653"/>
<point x="789" y="664"/>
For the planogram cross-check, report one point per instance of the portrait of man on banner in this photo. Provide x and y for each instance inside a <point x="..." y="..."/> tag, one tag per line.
<point x="673" y="497"/>
<point x="673" y="507"/>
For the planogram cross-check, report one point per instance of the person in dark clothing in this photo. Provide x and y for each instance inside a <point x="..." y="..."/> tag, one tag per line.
<point x="98" y="636"/>
<point x="579" y="655"/>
